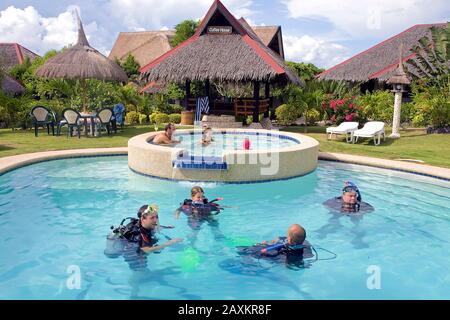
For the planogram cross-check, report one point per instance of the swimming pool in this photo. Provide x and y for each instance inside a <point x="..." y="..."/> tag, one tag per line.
<point x="55" y="215"/>
<point x="234" y="140"/>
<point x="272" y="156"/>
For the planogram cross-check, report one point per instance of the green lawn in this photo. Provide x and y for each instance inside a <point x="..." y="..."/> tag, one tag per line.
<point x="24" y="141"/>
<point x="434" y="149"/>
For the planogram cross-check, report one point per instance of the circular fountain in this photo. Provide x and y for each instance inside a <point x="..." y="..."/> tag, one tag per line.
<point x="272" y="155"/>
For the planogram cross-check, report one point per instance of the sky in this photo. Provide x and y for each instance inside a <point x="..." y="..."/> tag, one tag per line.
<point x="323" y="32"/>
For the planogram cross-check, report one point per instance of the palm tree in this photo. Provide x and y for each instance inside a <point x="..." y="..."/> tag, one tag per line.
<point x="432" y="57"/>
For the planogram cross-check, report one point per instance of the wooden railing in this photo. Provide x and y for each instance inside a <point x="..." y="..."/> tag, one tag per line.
<point x="245" y="107"/>
<point x="240" y="107"/>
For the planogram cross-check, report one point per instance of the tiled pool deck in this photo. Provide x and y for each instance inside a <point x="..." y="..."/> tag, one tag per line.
<point x="14" y="162"/>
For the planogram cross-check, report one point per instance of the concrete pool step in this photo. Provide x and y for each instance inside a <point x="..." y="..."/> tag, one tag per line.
<point x="199" y="163"/>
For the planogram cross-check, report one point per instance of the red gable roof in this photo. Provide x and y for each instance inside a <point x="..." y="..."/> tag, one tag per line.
<point x="13" y="53"/>
<point x="218" y="6"/>
<point x="386" y="68"/>
<point x="248" y="37"/>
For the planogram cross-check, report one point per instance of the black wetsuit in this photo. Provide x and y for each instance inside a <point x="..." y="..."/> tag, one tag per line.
<point x="336" y="204"/>
<point x="137" y="237"/>
<point x="198" y="213"/>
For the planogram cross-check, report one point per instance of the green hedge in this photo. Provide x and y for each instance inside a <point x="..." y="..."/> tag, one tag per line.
<point x="175" y="118"/>
<point x="286" y="114"/>
<point x="132" y="117"/>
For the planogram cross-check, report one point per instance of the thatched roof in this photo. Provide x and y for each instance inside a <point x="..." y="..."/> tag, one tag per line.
<point x="11" y="86"/>
<point x="12" y="54"/>
<point x="381" y="61"/>
<point x="265" y="33"/>
<point x="81" y="61"/>
<point x="145" y="46"/>
<point x="236" y="57"/>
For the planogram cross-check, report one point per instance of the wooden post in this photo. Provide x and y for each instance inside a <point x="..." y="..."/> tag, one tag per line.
<point x="267" y="94"/>
<point x="187" y="95"/>
<point x="256" y="98"/>
<point x="83" y="85"/>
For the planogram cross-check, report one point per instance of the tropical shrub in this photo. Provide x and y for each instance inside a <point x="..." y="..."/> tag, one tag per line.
<point x="287" y="114"/>
<point x="341" y="110"/>
<point x="432" y="106"/>
<point x="142" y="118"/>
<point x="162" y="118"/>
<point x="175" y="118"/>
<point x="132" y="117"/>
<point x="377" y="106"/>
<point x="312" y="116"/>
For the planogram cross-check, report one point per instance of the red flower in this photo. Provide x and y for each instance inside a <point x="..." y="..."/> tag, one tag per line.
<point x="349" y="117"/>
<point x="333" y="105"/>
<point x="341" y="102"/>
<point x="350" y="106"/>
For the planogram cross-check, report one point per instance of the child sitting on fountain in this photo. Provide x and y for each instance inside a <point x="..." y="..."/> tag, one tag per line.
<point x="207" y="137"/>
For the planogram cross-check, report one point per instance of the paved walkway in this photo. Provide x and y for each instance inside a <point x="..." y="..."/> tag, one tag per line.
<point x="13" y="162"/>
<point x="389" y="164"/>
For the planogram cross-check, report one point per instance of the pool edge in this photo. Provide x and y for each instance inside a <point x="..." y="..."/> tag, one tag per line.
<point x="11" y="163"/>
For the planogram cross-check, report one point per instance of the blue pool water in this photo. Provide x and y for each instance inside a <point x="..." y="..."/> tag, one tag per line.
<point x="54" y="217"/>
<point x="231" y="141"/>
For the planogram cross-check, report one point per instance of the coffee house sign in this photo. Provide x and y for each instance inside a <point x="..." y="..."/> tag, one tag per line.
<point x="219" y="29"/>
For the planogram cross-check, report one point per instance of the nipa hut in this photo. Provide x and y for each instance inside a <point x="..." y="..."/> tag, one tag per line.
<point x="223" y="49"/>
<point x="377" y="64"/>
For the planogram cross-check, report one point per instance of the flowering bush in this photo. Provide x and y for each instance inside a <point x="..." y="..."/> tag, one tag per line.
<point x="340" y="110"/>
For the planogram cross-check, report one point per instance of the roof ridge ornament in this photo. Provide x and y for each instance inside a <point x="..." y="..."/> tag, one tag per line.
<point x="82" y="40"/>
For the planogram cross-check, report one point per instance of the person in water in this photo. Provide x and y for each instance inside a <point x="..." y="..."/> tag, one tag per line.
<point x="166" y="136"/>
<point x="142" y="231"/>
<point x="207" y="137"/>
<point x="199" y="210"/>
<point x="293" y="248"/>
<point x="198" y="206"/>
<point x="349" y="204"/>
<point x="350" y="201"/>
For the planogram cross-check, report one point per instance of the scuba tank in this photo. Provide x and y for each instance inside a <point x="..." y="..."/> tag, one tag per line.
<point x="115" y="241"/>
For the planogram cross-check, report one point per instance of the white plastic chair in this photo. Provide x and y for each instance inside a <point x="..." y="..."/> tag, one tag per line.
<point x="372" y="129"/>
<point x="346" y="128"/>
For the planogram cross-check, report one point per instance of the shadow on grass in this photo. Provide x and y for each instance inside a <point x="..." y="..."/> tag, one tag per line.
<point x="4" y="148"/>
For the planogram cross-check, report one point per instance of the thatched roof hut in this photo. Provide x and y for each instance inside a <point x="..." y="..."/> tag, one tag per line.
<point x="81" y="61"/>
<point x="146" y="46"/>
<point x="222" y="49"/>
<point x="12" y="54"/>
<point x="11" y="86"/>
<point x="381" y="61"/>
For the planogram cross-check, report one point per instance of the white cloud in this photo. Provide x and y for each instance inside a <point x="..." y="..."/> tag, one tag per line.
<point x="308" y="49"/>
<point x="378" y="18"/>
<point x="154" y="14"/>
<point x="38" y="33"/>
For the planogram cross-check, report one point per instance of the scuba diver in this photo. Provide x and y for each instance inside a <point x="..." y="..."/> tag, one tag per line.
<point x="199" y="210"/>
<point x="198" y="205"/>
<point x="350" y="202"/>
<point x="292" y="249"/>
<point x="137" y="237"/>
